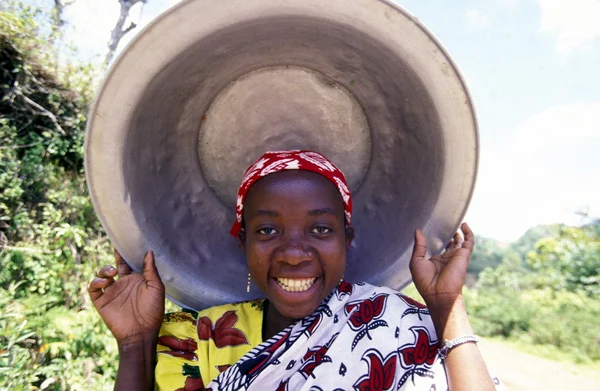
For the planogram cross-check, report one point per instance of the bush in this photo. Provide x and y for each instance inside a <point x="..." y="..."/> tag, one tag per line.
<point x="566" y="320"/>
<point x="51" y="347"/>
<point x="498" y="312"/>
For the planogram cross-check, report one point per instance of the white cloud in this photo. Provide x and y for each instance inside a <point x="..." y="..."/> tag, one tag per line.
<point x="511" y="4"/>
<point x="560" y="125"/>
<point x="550" y="171"/>
<point x="477" y="19"/>
<point x="574" y="23"/>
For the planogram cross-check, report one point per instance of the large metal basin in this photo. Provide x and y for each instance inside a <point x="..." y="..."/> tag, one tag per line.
<point x="210" y="85"/>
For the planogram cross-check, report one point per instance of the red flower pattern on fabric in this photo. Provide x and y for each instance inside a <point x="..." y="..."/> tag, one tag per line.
<point x="381" y="373"/>
<point x="223" y="334"/>
<point x="419" y="356"/>
<point x="184" y="348"/>
<point x="414" y="307"/>
<point x="314" y="357"/>
<point x="368" y="310"/>
<point x="422" y="352"/>
<point x="345" y="288"/>
<point x="411" y="301"/>
<point x="364" y="315"/>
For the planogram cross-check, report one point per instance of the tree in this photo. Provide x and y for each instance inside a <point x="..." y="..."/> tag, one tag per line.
<point x="571" y="261"/>
<point x="58" y="21"/>
<point x="527" y="242"/>
<point x="120" y="30"/>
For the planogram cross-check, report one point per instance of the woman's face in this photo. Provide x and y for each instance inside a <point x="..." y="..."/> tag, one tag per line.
<point x="295" y="239"/>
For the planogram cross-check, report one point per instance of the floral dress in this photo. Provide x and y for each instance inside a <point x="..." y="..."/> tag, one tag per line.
<point x="361" y="337"/>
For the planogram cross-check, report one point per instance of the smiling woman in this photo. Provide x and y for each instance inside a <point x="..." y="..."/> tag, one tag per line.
<point x="313" y="330"/>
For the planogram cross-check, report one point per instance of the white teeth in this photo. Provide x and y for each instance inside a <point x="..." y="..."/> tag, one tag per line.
<point x="296" y="284"/>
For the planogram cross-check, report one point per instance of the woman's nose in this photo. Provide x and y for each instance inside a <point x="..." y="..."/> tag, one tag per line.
<point x="295" y="252"/>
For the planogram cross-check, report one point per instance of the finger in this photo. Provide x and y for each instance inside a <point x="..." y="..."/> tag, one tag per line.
<point x="420" y="247"/>
<point x="458" y="240"/>
<point x="122" y="266"/>
<point x="107" y="271"/>
<point x="96" y="287"/>
<point x="451" y="245"/>
<point x="469" y="242"/>
<point x="149" y="271"/>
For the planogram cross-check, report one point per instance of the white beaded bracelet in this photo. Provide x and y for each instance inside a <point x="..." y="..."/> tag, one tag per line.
<point x="449" y="345"/>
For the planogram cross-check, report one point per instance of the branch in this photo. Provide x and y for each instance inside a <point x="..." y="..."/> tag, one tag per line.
<point x="21" y="146"/>
<point x="128" y="29"/>
<point x="119" y="31"/>
<point x="42" y="111"/>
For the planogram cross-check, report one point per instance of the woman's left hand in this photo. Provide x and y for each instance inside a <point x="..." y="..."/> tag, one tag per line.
<point x="440" y="279"/>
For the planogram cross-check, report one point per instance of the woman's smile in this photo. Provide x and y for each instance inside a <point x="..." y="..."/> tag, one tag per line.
<point x="295" y="291"/>
<point x="296" y="284"/>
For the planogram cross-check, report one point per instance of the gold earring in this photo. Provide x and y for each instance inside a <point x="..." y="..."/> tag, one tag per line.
<point x="248" y="286"/>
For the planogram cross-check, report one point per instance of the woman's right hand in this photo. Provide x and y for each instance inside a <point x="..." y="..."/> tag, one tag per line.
<point x="133" y="305"/>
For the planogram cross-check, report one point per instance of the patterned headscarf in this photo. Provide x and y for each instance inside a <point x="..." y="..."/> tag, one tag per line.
<point x="272" y="162"/>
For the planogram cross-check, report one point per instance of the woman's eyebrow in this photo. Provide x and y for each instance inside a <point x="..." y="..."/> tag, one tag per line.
<point x="323" y="211"/>
<point x="264" y="212"/>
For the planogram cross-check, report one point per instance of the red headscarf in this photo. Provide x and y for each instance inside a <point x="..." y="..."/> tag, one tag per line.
<point x="272" y="162"/>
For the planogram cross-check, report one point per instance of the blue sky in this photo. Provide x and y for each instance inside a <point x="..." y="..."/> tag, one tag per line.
<point x="533" y="70"/>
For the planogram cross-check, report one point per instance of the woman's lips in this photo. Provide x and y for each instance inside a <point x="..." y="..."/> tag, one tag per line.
<point x="296" y="284"/>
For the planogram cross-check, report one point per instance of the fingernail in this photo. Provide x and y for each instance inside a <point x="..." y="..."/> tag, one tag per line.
<point x="111" y="269"/>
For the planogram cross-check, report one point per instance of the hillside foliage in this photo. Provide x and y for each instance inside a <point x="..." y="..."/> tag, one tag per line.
<point x="51" y="241"/>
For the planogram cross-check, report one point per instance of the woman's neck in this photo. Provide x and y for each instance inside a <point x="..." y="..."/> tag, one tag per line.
<point x="273" y="321"/>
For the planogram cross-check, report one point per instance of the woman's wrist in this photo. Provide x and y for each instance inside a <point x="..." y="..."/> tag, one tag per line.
<point x="137" y="340"/>
<point x="137" y="358"/>
<point x="449" y="315"/>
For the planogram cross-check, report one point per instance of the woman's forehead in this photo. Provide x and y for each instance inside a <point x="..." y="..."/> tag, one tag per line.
<point x="294" y="186"/>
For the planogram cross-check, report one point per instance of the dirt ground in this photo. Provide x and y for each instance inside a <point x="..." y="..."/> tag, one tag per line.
<point x="521" y="371"/>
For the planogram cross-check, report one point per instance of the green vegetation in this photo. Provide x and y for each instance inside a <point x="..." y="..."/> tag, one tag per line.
<point x="51" y="242"/>
<point x="544" y="295"/>
<point x="542" y="290"/>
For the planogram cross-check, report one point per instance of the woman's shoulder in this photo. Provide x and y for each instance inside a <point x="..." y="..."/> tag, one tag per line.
<point x="191" y="327"/>
<point x="360" y="290"/>
<point x="404" y="310"/>
<point x="191" y="316"/>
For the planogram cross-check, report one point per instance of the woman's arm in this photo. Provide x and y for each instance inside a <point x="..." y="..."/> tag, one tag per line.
<point x="439" y="280"/>
<point x="136" y="365"/>
<point x="464" y="364"/>
<point x="132" y="307"/>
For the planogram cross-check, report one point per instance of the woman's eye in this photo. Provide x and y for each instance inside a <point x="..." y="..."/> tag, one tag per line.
<point x="320" y="230"/>
<point x="267" y="231"/>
